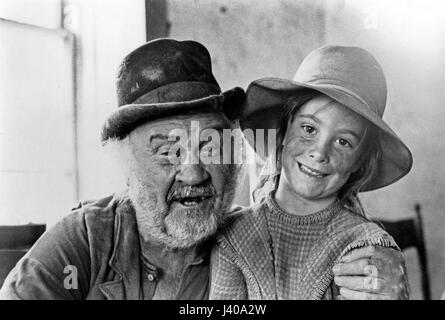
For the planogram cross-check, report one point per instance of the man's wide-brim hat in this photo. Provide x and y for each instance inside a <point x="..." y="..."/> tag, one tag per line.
<point x="165" y="77"/>
<point x="349" y="75"/>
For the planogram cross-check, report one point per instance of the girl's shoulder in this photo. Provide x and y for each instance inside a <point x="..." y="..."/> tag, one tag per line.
<point x="355" y="230"/>
<point x="347" y="218"/>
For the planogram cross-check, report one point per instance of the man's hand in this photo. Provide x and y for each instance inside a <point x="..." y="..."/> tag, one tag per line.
<point x="372" y="273"/>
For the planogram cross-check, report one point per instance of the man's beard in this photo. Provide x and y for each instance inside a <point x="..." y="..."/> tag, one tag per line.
<point x="178" y="228"/>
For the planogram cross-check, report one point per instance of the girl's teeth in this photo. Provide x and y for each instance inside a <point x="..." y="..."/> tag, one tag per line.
<point x="309" y="171"/>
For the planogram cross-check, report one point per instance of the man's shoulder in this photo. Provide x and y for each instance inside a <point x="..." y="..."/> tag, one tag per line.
<point x="102" y="210"/>
<point x="95" y="206"/>
<point x="88" y="227"/>
<point x="82" y="239"/>
<point x="356" y="230"/>
<point x="88" y="219"/>
<point x="348" y="219"/>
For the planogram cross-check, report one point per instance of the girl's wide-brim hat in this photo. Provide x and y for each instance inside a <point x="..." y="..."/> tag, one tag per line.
<point x="349" y="75"/>
<point x="165" y="78"/>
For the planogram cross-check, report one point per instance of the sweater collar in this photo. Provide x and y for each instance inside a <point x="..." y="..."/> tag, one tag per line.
<point x="295" y="219"/>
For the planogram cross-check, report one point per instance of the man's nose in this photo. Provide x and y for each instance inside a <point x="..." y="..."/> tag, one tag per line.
<point x="191" y="171"/>
<point x="192" y="174"/>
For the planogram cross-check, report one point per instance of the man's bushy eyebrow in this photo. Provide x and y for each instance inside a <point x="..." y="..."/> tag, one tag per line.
<point x="158" y="136"/>
<point x="156" y="141"/>
<point x="161" y="136"/>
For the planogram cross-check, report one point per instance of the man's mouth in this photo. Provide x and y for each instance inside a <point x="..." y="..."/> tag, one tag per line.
<point x="191" y="200"/>
<point x="311" y="172"/>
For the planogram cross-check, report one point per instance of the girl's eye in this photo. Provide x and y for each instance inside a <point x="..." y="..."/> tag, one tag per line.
<point x="344" y="143"/>
<point x="308" y="129"/>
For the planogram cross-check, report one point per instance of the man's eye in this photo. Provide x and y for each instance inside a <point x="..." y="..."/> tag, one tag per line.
<point x="207" y="148"/>
<point x="210" y="151"/>
<point x="164" y="152"/>
<point x="206" y="151"/>
<point x="308" y="129"/>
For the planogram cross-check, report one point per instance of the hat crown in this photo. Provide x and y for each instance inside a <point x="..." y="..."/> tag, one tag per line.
<point x="351" y="69"/>
<point x="163" y="63"/>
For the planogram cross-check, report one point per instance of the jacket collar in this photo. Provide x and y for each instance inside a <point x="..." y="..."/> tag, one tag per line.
<point x="125" y="259"/>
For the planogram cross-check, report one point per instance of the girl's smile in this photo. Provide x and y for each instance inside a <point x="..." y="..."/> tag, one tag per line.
<point x="311" y="172"/>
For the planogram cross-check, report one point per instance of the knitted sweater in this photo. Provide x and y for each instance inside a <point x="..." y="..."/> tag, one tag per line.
<point x="267" y="253"/>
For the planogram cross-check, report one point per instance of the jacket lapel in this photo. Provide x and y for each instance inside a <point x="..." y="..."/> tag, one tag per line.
<point x="125" y="260"/>
<point x="113" y="290"/>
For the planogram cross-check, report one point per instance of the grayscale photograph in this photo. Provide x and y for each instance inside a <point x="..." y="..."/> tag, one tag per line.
<point x="222" y="150"/>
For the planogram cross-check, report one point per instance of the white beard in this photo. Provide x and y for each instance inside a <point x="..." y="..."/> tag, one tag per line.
<point x="183" y="229"/>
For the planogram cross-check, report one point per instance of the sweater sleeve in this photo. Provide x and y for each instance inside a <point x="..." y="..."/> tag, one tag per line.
<point x="227" y="280"/>
<point x="369" y="234"/>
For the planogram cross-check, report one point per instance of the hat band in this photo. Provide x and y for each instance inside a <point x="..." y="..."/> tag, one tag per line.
<point x="179" y="92"/>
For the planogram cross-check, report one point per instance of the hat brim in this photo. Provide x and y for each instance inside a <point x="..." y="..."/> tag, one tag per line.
<point x="126" y="118"/>
<point x="263" y="109"/>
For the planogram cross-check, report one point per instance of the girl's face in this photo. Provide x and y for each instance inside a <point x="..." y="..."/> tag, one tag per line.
<point x="321" y="149"/>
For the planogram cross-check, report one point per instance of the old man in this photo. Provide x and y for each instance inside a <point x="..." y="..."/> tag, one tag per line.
<point x="153" y="241"/>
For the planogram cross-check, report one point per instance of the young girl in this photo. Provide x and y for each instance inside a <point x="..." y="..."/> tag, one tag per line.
<point x="333" y="144"/>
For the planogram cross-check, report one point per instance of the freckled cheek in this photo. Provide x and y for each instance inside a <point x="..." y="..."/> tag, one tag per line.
<point x="343" y="163"/>
<point x="292" y="150"/>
